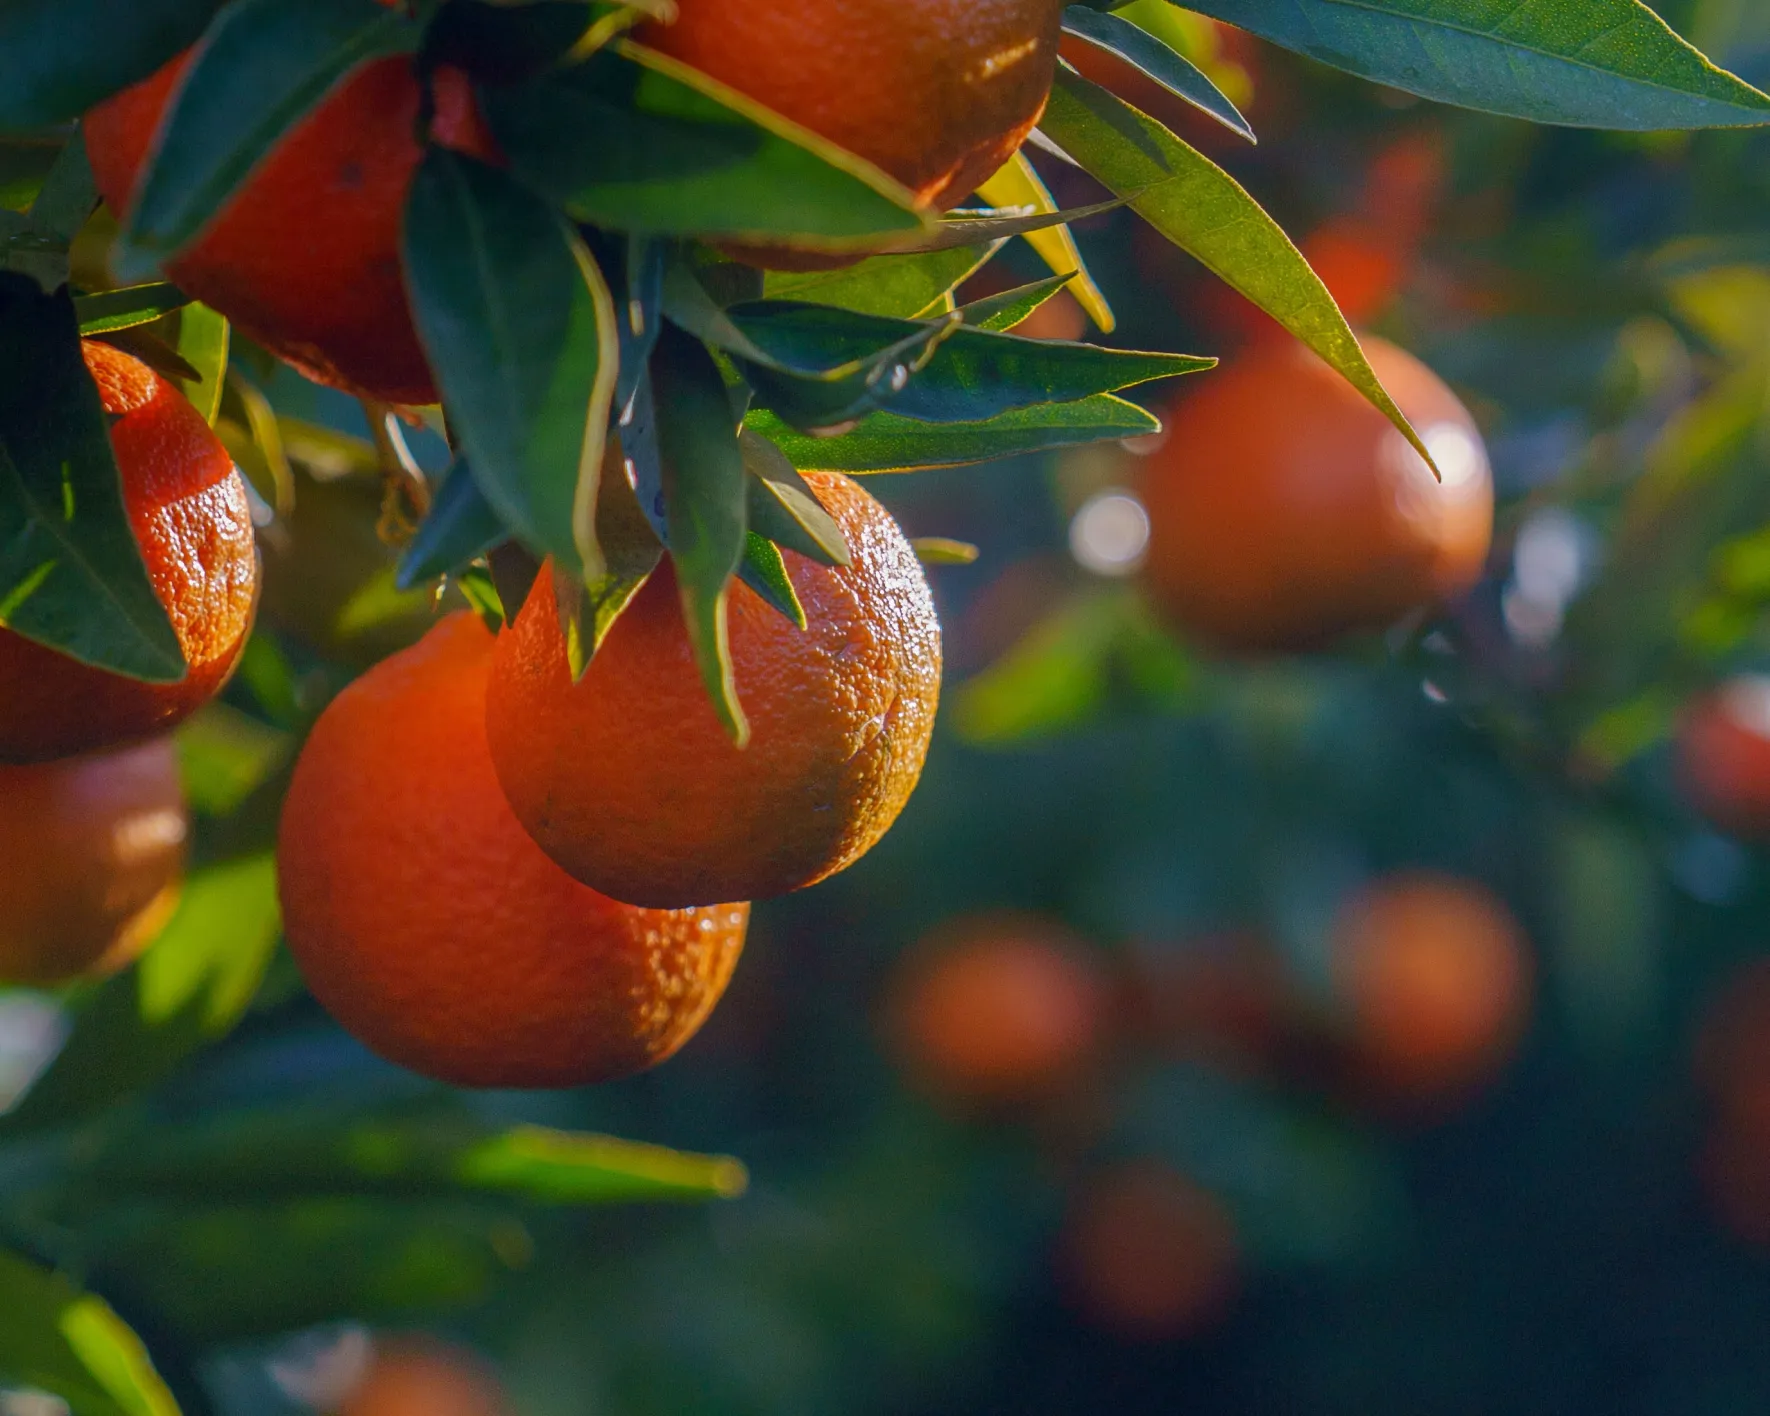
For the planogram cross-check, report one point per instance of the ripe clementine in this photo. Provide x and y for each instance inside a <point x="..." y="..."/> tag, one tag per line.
<point x="1285" y="510"/>
<point x="94" y="857"/>
<point x="1723" y="756"/>
<point x="421" y="1377"/>
<point x="997" y="1008"/>
<point x="434" y="929"/>
<point x="627" y="779"/>
<point x="188" y="509"/>
<point x="1150" y="1254"/>
<point x="939" y="95"/>
<point x="1437" y="979"/>
<point x="306" y="256"/>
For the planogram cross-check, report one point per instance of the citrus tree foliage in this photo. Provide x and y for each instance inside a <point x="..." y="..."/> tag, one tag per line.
<point x="616" y="387"/>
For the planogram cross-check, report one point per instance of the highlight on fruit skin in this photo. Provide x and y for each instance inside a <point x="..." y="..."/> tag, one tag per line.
<point x="1437" y="980"/>
<point x="1149" y="1254"/>
<point x="92" y="857"/>
<point x="1722" y="756"/>
<point x="627" y="778"/>
<point x="1285" y="511"/>
<point x="414" y="1375"/>
<point x="188" y="510"/>
<point x="1003" y="1007"/>
<point x="433" y="928"/>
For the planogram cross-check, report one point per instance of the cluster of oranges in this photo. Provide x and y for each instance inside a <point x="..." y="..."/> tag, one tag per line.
<point x="1010" y="1014"/>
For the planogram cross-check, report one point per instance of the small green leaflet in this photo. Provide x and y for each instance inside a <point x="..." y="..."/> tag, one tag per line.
<point x="631" y="549"/>
<point x="1587" y="63"/>
<point x="1141" y="49"/>
<point x="1004" y="311"/>
<point x="71" y="574"/>
<point x="60" y="57"/>
<point x="520" y="330"/>
<point x="126" y="308"/>
<point x="264" y="66"/>
<point x="765" y="572"/>
<point x="460" y="528"/>
<point x="900" y="286"/>
<point x="783" y="507"/>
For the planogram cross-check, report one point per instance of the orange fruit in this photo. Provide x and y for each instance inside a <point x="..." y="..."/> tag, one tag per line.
<point x="937" y="94"/>
<point x="997" y="1008"/>
<point x="188" y="509"/>
<point x="306" y="256"/>
<point x="93" y="851"/>
<point x="1722" y="752"/>
<point x="1437" y="979"/>
<point x="1148" y="1253"/>
<point x="627" y="779"/>
<point x="1285" y="510"/>
<point x="420" y="1377"/>
<point x="1732" y="1065"/>
<point x="434" y="929"/>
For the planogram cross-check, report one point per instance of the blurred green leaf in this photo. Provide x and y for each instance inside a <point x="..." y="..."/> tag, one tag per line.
<point x="225" y="755"/>
<point x="1589" y="63"/>
<point x="71" y="574"/>
<point x="188" y="991"/>
<point x="60" y="57"/>
<point x="57" y="1339"/>
<point x="460" y="528"/>
<point x="68" y="195"/>
<point x="1143" y="51"/>
<point x="125" y="308"/>
<point x="264" y="65"/>
<point x="520" y="329"/>
<point x="900" y="286"/>
<point x="943" y="550"/>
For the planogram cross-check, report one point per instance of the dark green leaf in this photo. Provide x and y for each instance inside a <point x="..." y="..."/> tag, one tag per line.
<point x="504" y="44"/>
<point x="1004" y="311"/>
<point x="57" y="1339"/>
<point x="460" y="528"/>
<point x="263" y="67"/>
<point x="60" y="57"/>
<point x="703" y="484"/>
<point x="634" y="268"/>
<point x="126" y="308"/>
<point x="71" y="574"/>
<point x="783" y="507"/>
<point x="763" y="570"/>
<point x="186" y="992"/>
<point x="901" y="286"/>
<point x="675" y="154"/>
<point x="1591" y="63"/>
<point x="520" y="330"/>
<point x="1202" y="209"/>
<point x="631" y="550"/>
<point x="68" y="195"/>
<point x="1143" y="51"/>
<point x="835" y="394"/>
<point x="885" y="442"/>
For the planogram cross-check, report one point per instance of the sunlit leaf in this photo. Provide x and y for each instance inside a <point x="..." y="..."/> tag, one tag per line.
<point x="1174" y="72"/>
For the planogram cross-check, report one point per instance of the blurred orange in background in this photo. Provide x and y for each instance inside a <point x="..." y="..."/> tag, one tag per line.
<point x="1723" y="755"/>
<point x="420" y="1376"/>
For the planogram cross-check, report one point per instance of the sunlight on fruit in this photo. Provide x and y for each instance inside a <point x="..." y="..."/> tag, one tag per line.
<point x="1109" y="535"/>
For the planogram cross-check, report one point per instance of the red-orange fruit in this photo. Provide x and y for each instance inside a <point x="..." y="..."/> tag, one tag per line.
<point x="1437" y="977"/>
<point x="1723" y="756"/>
<point x="414" y="1377"/>
<point x="629" y="781"/>
<point x="1286" y="511"/>
<point x="937" y="93"/>
<point x="92" y="857"/>
<point x="305" y="258"/>
<point x="1149" y="1254"/>
<point x="433" y="928"/>
<point x="997" y="1008"/>
<point x="187" y="507"/>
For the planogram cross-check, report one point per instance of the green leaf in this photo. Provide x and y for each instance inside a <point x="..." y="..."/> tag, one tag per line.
<point x="1018" y="184"/>
<point x="971" y="374"/>
<point x="225" y="755"/>
<point x="460" y="528"/>
<point x="1589" y="63"/>
<point x="520" y="330"/>
<point x="703" y="486"/>
<point x="204" y="339"/>
<point x="68" y="195"/>
<point x="503" y="44"/>
<point x="902" y="286"/>
<point x="187" y="991"/>
<point x="60" y="57"/>
<point x="1202" y="209"/>
<point x="885" y="442"/>
<point x="943" y="550"/>
<point x="763" y="570"/>
<point x="783" y="507"/>
<point x="1004" y="311"/>
<point x="631" y="551"/>
<point x="674" y="153"/>
<point x="71" y="574"/>
<point x="828" y="390"/>
<point x="1143" y="51"/>
<point x="263" y="67"/>
<point x="55" y="1338"/>
<point x="126" y="308"/>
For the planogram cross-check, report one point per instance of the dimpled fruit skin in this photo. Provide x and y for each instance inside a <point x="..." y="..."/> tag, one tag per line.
<point x="306" y="256"/>
<point x="91" y="860"/>
<point x="1285" y="510"/>
<point x="627" y="778"/>
<point x="188" y="509"/>
<point x="938" y="93"/>
<point x="434" y="929"/>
